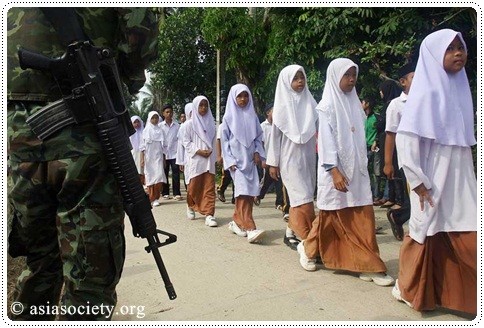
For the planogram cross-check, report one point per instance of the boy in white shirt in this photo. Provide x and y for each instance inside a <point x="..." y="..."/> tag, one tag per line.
<point x="399" y="213"/>
<point x="170" y="129"/>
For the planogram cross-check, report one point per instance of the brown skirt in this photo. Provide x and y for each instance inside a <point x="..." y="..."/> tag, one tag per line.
<point x="346" y="240"/>
<point x="301" y="219"/>
<point x="243" y="212"/>
<point x="154" y="191"/>
<point x="201" y="194"/>
<point x="440" y="272"/>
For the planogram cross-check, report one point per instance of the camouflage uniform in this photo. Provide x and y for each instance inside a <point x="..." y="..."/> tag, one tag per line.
<point x="67" y="214"/>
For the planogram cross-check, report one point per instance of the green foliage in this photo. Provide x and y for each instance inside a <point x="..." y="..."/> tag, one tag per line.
<point x="141" y="109"/>
<point x="256" y="43"/>
<point x="152" y="98"/>
<point x="186" y="64"/>
<point x="128" y="98"/>
<point x="240" y="36"/>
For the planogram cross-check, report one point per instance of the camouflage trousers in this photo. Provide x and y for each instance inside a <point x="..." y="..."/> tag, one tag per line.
<point x="67" y="220"/>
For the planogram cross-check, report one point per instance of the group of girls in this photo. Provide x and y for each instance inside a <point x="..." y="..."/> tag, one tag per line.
<point x="147" y="150"/>
<point x="438" y="257"/>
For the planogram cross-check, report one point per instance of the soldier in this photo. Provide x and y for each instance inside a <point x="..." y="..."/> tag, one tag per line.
<point x="67" y="217"/>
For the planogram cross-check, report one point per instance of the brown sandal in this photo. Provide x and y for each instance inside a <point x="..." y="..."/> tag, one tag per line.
<point x="388" y="204"/>
<point x="379" y="202"/>
<point x="397" y="229"/>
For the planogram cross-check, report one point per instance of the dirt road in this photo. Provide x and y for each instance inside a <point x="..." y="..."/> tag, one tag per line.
<point x="219" y="276"/>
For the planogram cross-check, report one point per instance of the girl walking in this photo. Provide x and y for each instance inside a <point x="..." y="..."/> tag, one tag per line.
<point x="199" y="143"/>
<point x="438" y="258"/>
<point x="242" y="151"/>
<point x="136" y="140"/>
<point x="344" y="232"/>
<point x="291" y="154"/>
<point x="152" y="157"/>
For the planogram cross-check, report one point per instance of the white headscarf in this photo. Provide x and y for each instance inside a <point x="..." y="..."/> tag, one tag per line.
<point x="152" y="132"/>
<point x="188" y="111"/>
<point x="242" y="122"/>
<point x="136" y="137"/>
<point x="439" y="104"/>
<point x="204" y="126"/>
<point x="294" y="113"/>
<point x="345" y="117"/>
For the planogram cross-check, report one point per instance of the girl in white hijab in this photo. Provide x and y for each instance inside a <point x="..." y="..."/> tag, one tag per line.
<point x="199" y="143"/>
<point x="438" y="259"/>
<point x="180" y="150"/>
<point x="344" y="232"/>
<point x="291" y="154"/>
<point x="136" y="141"/>
<point x="242" y="150"/>
<point x="153" y="158"/>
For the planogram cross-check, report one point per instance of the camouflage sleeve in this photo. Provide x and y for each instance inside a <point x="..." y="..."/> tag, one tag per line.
<point x="137" y="47"/>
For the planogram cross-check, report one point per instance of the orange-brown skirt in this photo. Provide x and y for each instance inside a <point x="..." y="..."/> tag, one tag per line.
<point x="440" y="272"/>
<point x="201" y="194"/>
<point x="243" y="212"/>
<point x="301" y="219"/>
<point x="346" y="240"/>
<point x="154" y="191"/>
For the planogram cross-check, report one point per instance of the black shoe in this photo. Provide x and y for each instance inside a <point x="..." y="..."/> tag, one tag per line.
<point x="221" y="196"/>
<point x="292" y="242"/>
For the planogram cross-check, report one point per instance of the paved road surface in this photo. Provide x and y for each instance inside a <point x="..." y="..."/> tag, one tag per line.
<point x="219" y="276"/>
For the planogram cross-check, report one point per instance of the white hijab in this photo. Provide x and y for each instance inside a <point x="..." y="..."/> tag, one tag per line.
<point x="204" y="126"/>
<point x="152" y="132"/>
<point x="439" y="104"/>
<point x="188" y="111"/>
<point x="294" y="113"/>
<point x="136" y="137"/>
<point x="345" y="117"/>
<point x="242" y="122"/>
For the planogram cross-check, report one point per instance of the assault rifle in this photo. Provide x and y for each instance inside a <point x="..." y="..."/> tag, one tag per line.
<point x="92" y="92"/>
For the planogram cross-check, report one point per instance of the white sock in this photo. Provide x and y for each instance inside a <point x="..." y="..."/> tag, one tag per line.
<point x="289" y="232"/>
